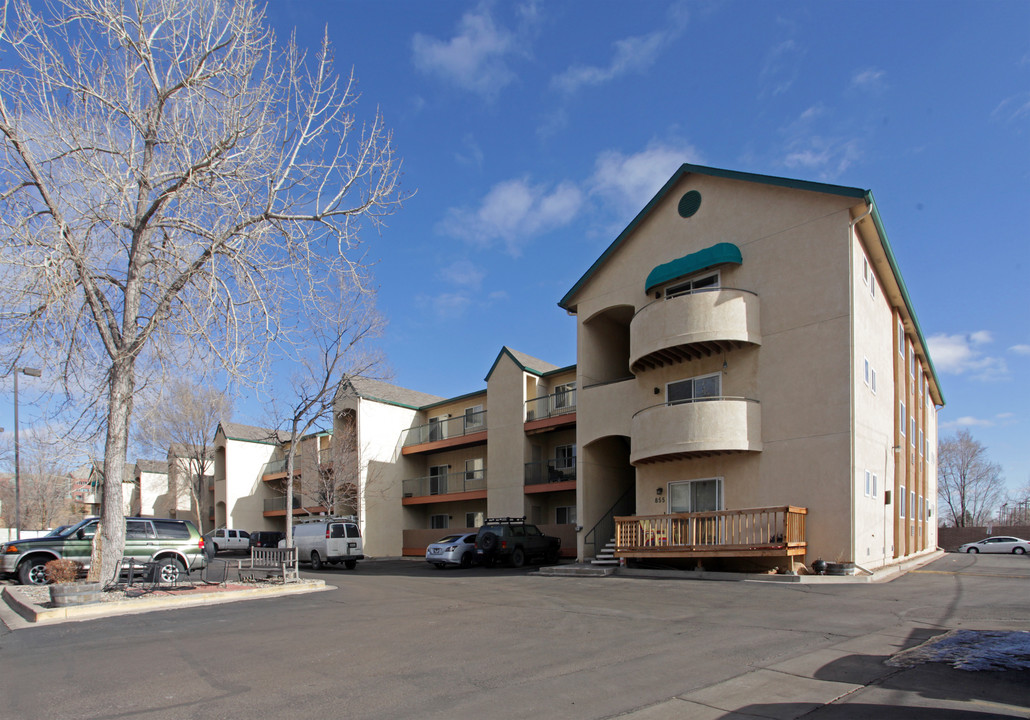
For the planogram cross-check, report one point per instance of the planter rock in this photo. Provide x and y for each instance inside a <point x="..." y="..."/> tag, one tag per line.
<point x="66" y="594"/>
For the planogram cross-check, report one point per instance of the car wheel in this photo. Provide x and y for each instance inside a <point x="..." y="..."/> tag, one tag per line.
<point x="1018" y="551"/>
<point x="169" y="570"/>
<point x="33" y="571"/>
<point x="316" y="561"/>
<point x="972" y="550"/>
<point x="350" y="564"/>
<point x="440" y="566"/>
<point x="518" y="557"/>
<point x="488" y="541"/>
<point x="466" y="560"/>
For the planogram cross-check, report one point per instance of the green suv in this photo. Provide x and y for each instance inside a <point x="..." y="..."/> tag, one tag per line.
<point x="175" y="545"/>
<point x="512" y="540"/>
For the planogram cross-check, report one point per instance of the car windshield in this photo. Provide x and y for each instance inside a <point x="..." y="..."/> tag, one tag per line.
<point x="449" y="538"/>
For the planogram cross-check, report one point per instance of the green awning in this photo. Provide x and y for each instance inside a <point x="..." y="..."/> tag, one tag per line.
<point x="718" y="254"/>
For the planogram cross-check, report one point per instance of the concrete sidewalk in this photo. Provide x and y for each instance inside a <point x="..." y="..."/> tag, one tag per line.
<point x="852" y="680"/>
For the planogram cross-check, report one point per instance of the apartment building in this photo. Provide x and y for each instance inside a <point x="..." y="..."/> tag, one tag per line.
<point x="249" y="478"/>
<point x="754" y="386"/>
<point x="428" y="464"/>
<point x="151" y="478"/>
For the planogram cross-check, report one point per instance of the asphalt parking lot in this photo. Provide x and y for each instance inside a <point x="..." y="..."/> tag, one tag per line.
<point x="401" y="639"/>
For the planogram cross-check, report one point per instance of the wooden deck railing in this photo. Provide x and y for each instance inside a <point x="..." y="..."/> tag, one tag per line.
<point x="773" y="531"/>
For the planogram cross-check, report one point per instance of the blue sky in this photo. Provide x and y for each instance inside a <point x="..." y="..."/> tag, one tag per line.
<point x="532" y="133"/>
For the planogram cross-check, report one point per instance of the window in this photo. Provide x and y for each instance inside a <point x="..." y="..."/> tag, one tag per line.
<point x="865" y="270"/>
<point x="912" y="422"/>
<point x="473" y="469"/>
<point x="865" y="370"/>
<point x="564" y="395"/>
<point x="474" y="417"/>
<point x="922" y="442"/>
<point x="695" y="495"/>
<point x="903" y="420"/>
<point x="868" y="483"/>
<point x="912" y="361"/>
<point x="872" y="285"/>
<point x="438" y="480"/>
<point x="901" y="504"/>
<point x="436" y="428"/>
<point x="876" y="491"/>
<point x="565" y="457"/>
<point x="698" y="388"/>
<point x="137" y="530"/>
<point x="168" y="529"/>
<point x="901" y="338"/>
<point x="913" y="505"/>
<point x="565" y="515"/>
<point x="701" y="282"/>
<point x="872" y="381"/>
<point x="473" y="519"/>
<point x="438" y="522"/>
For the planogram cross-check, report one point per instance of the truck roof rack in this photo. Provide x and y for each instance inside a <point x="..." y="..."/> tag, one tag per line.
<point x="504" y="520"/>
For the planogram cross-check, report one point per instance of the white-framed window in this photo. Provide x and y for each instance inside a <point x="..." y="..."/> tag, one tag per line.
<point x="912" y="423"/>
<point x="473" y="519"/>
<point x="565" y="515"/>
<point x="901" y="338"/>
<point x="438" y="479"/>
<point x="912" y="361"/>
<point x="706" y="281"/>
<point x="473" y="469"/>
<point x="695" y="495"/>
<point x="695" y="388"/>
<point x="565" y="457"/>
<point x="912" y="504"/>
<point x="904" y="419"/>
<point x="872" y="285"/>
<point x="865" y="370"/>
<point x="876" y="489"/>
<point x="474" y="417"/>
<point x="865" y="269"/>
<point x="438" y="522"/>
<point x="436" y="427"/>
<point x="901" y="502"/>
<point x="922" y="442"/>
<point x="872" y="380"/>
<point x="564" y="395"/>
<point x="868" y="483"/>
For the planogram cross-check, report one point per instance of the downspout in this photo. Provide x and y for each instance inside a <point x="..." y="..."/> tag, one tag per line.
<point x="852" y="235"/>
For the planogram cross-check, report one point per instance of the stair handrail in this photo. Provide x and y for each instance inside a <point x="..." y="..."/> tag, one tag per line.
<point x="606" y="525"/>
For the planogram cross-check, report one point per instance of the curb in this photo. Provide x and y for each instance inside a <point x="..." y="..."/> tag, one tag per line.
<point x="37" y="614"/>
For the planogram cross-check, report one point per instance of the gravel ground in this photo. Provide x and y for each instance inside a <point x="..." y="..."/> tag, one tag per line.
<point x="40" y="595"/>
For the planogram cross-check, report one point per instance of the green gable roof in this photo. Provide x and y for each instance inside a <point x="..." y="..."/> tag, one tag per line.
<point x="718" y="254"/>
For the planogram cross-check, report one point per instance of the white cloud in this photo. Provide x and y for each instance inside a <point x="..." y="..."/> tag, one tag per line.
<point x="630" y="55"/>
<point x="463" y="273"/>
<point x="780" y="69"/>
<point x="628" y="182"/>
<point x="513" y="212"/>
<point x="450" y="305"/>
<point x="964" y="355"/>
<point x="966" y="421"/>
<point x="474" y="59"/>
<point x="1020" y="349"/>
<point x="1013" y="108"/>
<point x="868" y="79"/>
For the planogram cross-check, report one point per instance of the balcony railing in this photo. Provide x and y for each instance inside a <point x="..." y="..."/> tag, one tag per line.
<point x="559" y="403"/>
<point x="279" y="503"/>
<point x="549" y="471"/>
<point x="448" y="484"/>
<point x="774" y="531"/>
<point x="445" y="429"/>
<point x="279" y="466"/>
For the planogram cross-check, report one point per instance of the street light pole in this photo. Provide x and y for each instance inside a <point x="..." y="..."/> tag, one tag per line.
<point x="32" y="372"/>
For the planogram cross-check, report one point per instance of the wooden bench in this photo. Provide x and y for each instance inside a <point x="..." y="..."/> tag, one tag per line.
<point x="270" y="562"/>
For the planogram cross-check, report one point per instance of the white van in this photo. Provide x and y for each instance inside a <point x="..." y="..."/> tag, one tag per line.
<point x="332" y="540"/>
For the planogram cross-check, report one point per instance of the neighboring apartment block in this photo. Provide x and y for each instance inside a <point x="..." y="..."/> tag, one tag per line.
<point x="748" y="352"/>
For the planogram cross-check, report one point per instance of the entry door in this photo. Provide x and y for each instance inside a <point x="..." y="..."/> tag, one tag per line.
<point x="438" y="480"/>
<point x="698" y="496"/>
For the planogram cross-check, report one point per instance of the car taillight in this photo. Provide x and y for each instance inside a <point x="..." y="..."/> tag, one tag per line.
<point x="201" y="543"/>
<point x="504" y="544"/>
<point x="326" y="532"/>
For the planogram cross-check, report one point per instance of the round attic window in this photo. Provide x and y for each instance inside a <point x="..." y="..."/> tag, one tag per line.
<point x="690" y="203"/>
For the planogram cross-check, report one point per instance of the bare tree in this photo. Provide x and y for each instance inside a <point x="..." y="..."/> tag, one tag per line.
<point x="175" y="185"/>
<point x="180" y="421"/>
<point x="45" y="481"/>
<point x="969" y="485"/>
<point x="332" y="353"/>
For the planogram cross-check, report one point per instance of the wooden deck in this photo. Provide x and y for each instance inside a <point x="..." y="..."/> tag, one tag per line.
<point x="753" y="532"/>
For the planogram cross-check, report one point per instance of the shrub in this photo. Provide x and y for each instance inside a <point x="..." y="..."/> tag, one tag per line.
<point x="62" y="570"/>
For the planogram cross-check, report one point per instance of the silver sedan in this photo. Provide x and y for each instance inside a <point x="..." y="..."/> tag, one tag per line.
<point x="997" y="544"/>
<point x="453" y="550"/>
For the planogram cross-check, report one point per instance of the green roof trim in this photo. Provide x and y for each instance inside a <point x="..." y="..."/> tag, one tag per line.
<point x="718" y="254"/>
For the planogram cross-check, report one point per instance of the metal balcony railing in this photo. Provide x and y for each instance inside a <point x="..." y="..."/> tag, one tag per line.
<point x="445" y="429"/>
<point x="559" y="403"/>
<point x="549" y="471"/>
<point x="450" y="483"/>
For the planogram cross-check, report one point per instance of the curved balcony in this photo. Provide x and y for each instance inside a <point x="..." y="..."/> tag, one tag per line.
<point x="707" y="426"/>
<point x="699" y="324"/>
